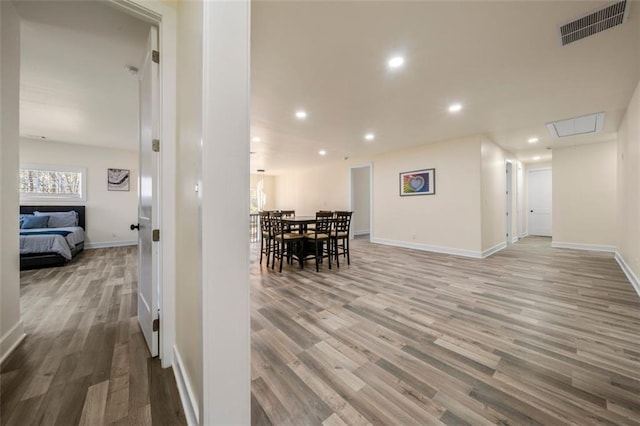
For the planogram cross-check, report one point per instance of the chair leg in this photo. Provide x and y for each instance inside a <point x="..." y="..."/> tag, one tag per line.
<point x="269" y="244"/>
<point x="275" y="254"/>
<point x="328" y="252"/>
<point x="262" y="250"/>
<point x="348" y="257"/>
<point x="317" y="260"/>
<point x="335" y="247"/>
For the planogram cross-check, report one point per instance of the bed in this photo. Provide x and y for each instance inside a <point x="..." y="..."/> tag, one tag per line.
<point x="48" y="247"/>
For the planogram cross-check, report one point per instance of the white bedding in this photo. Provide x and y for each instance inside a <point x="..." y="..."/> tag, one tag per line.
<point x="51" y="243"/>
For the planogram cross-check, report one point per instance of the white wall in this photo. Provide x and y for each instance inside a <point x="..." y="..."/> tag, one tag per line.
<point x="584" y="195"/>
<point x="225" y="214"/>
<point x="449" y="220"/>
<point x="628" y="184"/>
<point x="109" y="214"/>
<point x="361" y="199"/>
<point x="11" y="328"/>
<point x="188" y="221"/>
<point x="493" y="195"/>
<point x="330" y="189"/>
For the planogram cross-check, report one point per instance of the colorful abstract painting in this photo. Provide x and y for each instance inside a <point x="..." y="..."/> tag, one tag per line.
<point x="419" y="182"/>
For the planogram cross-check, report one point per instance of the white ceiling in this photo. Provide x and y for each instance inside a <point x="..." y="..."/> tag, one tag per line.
<point x="74" y="86"/>
<point x="502" y="60"/>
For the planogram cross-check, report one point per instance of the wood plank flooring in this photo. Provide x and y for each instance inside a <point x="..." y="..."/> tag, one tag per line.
<point x="531" y="335"/>
<point x="84" y="360"/>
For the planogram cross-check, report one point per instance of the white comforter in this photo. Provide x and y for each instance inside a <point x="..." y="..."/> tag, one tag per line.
<point x="51" y="243"/>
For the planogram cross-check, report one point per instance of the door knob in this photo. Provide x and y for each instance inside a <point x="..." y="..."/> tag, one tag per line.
<point x="137" y="226"/>
<point x="530" y="211"/>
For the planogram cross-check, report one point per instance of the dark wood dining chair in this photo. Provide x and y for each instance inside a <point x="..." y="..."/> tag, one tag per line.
<point x="321" y="234"/>
<point x="289" y="214"/>
<point x="341" y="235"/>
<point x="287" y="245"/>
<point x="266" y="240"/>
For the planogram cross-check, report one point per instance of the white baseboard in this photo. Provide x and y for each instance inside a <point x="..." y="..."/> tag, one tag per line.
<point x="628" y="272"/>
<point x="514" y="240"/>
<point x="426" y="247"/>
<point x="578" y="246"/>
<point x="526" y="234"/>
<point x="362" y="232"/>
<point x="488" y="252"/>
<point x="11" y="340"/>
<point x="107" y="244"/>
<point x="189" y="402"/>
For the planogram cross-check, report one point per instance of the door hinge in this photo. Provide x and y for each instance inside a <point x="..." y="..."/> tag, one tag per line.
<point x="155" y="145"/>
<point x="155" y="56"/>
<point x="156" y="324"/>
<point x="155" y="235"/>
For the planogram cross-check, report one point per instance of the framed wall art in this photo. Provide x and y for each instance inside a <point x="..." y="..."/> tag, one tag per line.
<point x="118" y="179"/>
<point x="418" y="182"/>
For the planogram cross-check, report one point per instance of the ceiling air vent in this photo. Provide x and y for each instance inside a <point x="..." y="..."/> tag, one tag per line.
<point x="593" y="23"/>
<point x="592" y="123"/>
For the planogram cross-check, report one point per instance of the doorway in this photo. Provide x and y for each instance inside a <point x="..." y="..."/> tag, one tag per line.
<point x="106" y="206"/>
<point x="509" y="202"/>
<point x="539" y="202"/>
<point x="361" y="200"/>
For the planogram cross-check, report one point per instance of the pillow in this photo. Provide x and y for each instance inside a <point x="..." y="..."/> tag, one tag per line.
<point x="33" y="222"/>
<point x="22" y="216"/>
<point x="60" y="219"/>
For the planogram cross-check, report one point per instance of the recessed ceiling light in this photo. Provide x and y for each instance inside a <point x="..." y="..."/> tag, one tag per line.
<point x="301" y="115"/>
<point x="395" y="62"/>
<point x="533" y="140"/>
<point x="322" y="152"/>
<point x="536" y="158"/>
<point x="256" y="139"/>
<point x="369" y="136"/>
<point x="455" y="108"/>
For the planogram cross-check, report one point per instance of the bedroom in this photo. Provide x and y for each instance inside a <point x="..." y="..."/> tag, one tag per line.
<point x="71" y="123"/>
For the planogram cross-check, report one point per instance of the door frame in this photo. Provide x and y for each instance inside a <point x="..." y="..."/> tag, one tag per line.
<point x="508" y="164"/>
<point x="526" y="211"/>
<point x="164" y="17"/>
<point x="520" y="192"/>
<point x="362" y="166"/>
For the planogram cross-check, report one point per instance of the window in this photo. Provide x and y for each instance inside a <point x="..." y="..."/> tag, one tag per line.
<point x="257" y="197"/>
<point x="51" y="182"/>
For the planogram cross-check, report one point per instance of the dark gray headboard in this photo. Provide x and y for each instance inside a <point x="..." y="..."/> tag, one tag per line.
<point x="79" y="209"/>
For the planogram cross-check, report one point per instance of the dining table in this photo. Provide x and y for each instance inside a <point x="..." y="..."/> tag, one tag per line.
<point x="301" y="222"/>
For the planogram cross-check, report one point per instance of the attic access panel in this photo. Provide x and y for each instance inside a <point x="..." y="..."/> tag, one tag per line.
<point x="592" y="123"/>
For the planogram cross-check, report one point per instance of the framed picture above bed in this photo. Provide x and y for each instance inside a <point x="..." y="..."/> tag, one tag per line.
<point x="118" y="179"/>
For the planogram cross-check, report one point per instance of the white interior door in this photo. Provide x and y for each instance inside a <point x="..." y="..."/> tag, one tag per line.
<point x="539" y="190"/>
<point x="148" y="250"/>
